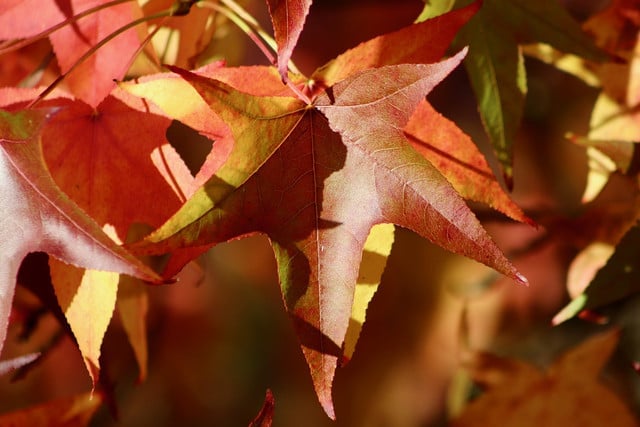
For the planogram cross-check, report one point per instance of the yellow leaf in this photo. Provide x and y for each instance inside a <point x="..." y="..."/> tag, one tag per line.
<point x="374" y="260"/>
<point x="87" y="298"/>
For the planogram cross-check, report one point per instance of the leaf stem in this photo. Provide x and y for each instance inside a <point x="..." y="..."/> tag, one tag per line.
<point x="146" y="40"/>
<point x="252" y="29"/>
<point x="245" y="27"/>
<point x="87" y="54"/>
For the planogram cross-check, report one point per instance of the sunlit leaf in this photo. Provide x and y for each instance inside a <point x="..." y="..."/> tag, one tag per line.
<point x="377" y="248"/>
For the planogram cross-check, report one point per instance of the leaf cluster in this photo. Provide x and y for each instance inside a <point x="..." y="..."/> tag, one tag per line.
<point x="325" y="165"/>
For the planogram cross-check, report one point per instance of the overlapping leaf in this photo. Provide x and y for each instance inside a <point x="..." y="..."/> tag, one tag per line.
<point x="424" y="42"/>
<point x="92" y="80"/>
<point x="495" y="63"/>
<point x="13" y="12"/>
<point x="612" y="147"/>
<point x="614" y="124"/>
<point x="38" y="216"/>
<point x="115" y="162"/>
<point x="288" y="17"/>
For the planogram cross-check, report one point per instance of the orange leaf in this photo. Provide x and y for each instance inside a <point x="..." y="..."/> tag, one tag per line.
<point x="455" y="155"/>
<point x="568" y="393"/>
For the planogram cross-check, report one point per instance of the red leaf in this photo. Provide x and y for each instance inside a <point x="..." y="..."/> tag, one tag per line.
<point x="37" y="216"/>
<point x="288" y="17"/>
<point x="13" y="13"/>
<point x="127" y="166"/>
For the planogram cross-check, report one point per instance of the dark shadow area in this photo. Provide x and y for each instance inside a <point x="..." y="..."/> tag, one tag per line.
<point x="311" y="337"/>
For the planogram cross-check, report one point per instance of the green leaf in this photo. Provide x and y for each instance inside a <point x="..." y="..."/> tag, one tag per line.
<point x="496" y="70"/>
<point x="434" y="8"/>
<point x="496" y="67"/>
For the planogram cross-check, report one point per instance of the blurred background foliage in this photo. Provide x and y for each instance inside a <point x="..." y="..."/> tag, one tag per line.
<point x="219" y="337"/>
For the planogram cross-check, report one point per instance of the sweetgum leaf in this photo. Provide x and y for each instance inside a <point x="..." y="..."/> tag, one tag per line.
<point x="315" y="179"/>
<point x="180" y="101"/>
<point x="38" y="216"/>
<point x="496" y="70"/>
<point x="115" y="162"/>
<point x="614" y="124"/>
<point x="288" y="17"/>
<point x="92" y="80"/>
<point x="567" y="393"/>
<point x="14" y="14"/>
<point x="604" y="158"/>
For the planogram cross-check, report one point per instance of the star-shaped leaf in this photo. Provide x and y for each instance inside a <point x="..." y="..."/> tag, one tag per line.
<point x="324" y="175"/>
